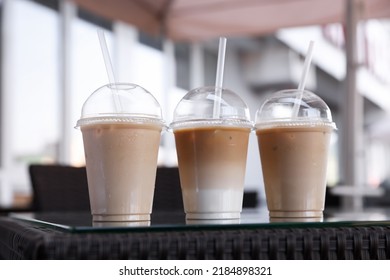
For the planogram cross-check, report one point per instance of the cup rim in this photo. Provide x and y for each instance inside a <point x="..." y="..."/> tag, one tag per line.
<point x="120" y="119"/>
<point x="296" y="122"/>
<point x="196" y="123"/>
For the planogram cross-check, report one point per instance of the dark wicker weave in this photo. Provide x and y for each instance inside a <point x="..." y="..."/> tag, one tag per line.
<point x="24" y="240"/>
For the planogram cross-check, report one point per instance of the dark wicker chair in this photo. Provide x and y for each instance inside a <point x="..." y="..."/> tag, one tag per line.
<point x="59" y="188"/>
<point x="167" y="193"/>
<point x="65" y="188"/>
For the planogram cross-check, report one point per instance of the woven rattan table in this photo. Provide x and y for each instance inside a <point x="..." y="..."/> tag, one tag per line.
<point x="66" y="236"/>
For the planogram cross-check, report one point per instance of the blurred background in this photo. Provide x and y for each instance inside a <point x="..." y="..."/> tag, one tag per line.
<point x="51" y="62"/>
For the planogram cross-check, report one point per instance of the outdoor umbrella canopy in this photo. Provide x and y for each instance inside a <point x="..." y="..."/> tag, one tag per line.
<point x="203" y="20"/>
<point x="189" y="20"/>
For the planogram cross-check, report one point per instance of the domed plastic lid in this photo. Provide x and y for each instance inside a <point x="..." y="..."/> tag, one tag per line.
<point x="284" y="108"/>
<point x="205" y="106"/>
<point x="121" y="102"/>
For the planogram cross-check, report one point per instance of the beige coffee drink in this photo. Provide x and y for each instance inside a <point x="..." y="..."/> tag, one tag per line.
<point x="294" y="163"/>
<point x="294" y="154"/>
<point x="121" y="126"/>
<point x="212" y="153"/>
<point x="121" y="165"/>
<point x="212" y="162"/>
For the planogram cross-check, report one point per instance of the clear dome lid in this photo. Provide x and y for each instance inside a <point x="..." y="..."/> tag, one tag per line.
<point x="286" y="108"/>
<point x="205" y="106"/>
<point x="121" y="102"/>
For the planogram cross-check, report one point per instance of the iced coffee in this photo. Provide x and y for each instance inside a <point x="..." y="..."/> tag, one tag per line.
<point x="121" y="141"/>
<point x="212" y="153"/>
<point x="294" y="154"/>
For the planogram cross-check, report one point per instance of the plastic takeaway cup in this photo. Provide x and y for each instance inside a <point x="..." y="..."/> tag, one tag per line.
<point x="211" y="152"/>
<point x="294" y="153"/>
<point x="121" y="126"/>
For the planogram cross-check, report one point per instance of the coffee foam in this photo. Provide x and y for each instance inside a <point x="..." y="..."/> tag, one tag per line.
<point x="211" y="123"/>
<point x="122" y="118"/>
<point x="294" y="123"/>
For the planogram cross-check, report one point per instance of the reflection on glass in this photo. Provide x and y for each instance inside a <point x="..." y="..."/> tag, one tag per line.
<point x="121" y="224"/>
<point x="298" y="220"/>
<point x="213" y="222"/>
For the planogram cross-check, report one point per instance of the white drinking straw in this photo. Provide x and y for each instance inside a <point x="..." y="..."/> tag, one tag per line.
<point x="109" y="69"/>
<point x="219" y="77"/>
<point x="302" y="82"/>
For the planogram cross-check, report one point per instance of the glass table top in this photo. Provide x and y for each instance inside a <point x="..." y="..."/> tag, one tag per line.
<point x="257" y="218"/>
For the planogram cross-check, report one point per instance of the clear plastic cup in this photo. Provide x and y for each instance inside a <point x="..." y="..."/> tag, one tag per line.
<point x="294" y="153"/>
<point x="121" y="126"/>
<point x="212" y="152"/>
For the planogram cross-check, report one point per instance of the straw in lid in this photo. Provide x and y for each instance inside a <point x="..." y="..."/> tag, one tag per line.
<point x="278" y="110"/>
<point x="196" y="108"/>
